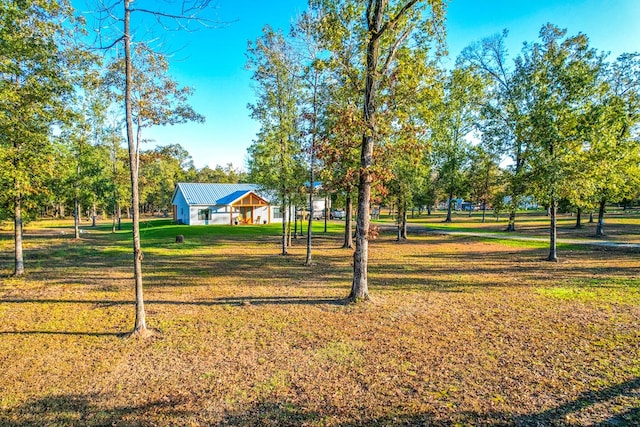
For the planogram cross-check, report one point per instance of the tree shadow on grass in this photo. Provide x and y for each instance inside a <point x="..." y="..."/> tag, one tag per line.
<point x="80" y="410"/>
<point x="557" y="415"/>
<point x="238" y="301"/>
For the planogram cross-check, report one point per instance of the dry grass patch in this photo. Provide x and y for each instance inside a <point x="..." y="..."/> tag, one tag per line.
<point x="460" y="332"/>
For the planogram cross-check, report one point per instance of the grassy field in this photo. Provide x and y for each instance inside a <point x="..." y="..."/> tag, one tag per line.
<point x="462" y="330"/>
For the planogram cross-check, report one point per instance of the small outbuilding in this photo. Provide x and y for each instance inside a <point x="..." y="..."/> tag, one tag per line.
<point x="234" y="204"/>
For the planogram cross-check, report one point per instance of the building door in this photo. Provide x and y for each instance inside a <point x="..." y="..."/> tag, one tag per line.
<point x="246" y="215"/>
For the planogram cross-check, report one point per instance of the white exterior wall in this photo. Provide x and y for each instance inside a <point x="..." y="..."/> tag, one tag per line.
<point x="182" y="209"/>
<point x="218" y="215"/>
<point x="263" y="213"/>
<point x="318" y="205"/>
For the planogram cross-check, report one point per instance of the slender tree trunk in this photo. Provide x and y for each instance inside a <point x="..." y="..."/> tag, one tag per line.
<point x="348" y="223"/>
<point x="295" y="223"/>
<point x="429" y="210"/>
<point x="484" y="211"/>
<point x="579" y="218"/>
<point x="76" y="204"/>
<point x="326" y="212"/>
<point x="511" y="225"/>
<point x="17" y="236"/>
<point x="284" y="227"/>
<point x="289" y="225"/>
<point x="140" y="327"/>
<point x="448" y="218"/>
<point x="403" y="234"/>
<point x="600" y="227"/>
<point x="93" y="215"/>
<point x="399" y="225"/>
<point x="76" y="219"/>
<point x="307" y="261"/>
<point x="113" y="220"/>
<point x="591" y="217"/>
<point x="553" y="229"/>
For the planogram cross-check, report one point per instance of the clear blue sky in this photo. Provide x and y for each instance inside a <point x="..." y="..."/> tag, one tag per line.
<point x="212" y="61"/>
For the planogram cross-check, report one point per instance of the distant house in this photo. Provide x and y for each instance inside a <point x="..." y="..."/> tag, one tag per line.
<point x="205" y="204"/>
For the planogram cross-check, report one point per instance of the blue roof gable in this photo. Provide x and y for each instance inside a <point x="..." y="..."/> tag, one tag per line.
<point x="227" y="200"/>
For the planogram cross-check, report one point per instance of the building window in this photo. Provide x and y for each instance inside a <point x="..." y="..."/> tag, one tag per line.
<point x="204" y="214"/>
<point x="277" y="214"/>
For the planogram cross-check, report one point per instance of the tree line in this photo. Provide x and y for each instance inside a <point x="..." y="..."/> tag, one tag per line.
<point x="356" y="95"/>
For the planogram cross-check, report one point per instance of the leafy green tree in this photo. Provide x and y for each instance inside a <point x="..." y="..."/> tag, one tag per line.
<point x="456" y="118"/>
<point x="484" y="176"/>
<point x="383" y="28"/>
<point x="344" y="39"/>
<point x="314" y="77"/>
<point x="37" y="69"/>
<point x="504" y="126"/>
<point x="151" y="98"/>
<point x="338" y="151"/>
<point x="161" y="169"/>
<point x="220" y="174"/>
<point x="274" y="158"/>
<point x="413" y="87"/>
<point x="562" y="74"/>
<point x="613" y="147"/>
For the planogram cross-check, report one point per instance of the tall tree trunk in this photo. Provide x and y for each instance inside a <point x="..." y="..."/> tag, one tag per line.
<point x="403" y="234"/>
<point x="448" y="218"/>
<point x="553" y="209"/>
<point x="307" y="261"/>
<point x="484" y="211"/>
<point x="511" y="225"/>
<point x="399" y="225"/>
<point x="579" y="218"/>
<point x="17" y="236"/>
<point x="93" y="215"/>
<point x="348" y="222"/>
<point x="295" y="223"/>
<point x="284" y="227"/>
<point x="600" y="227"/>
<point x="326" y="212"/>
<point x="76" y="219"/>
<point x="119" y="211"/>
<point x="374" y="16"/>
<point x="289" y="224"/>
<point x="113" y="220"/>
<point x="140" y="327"/>
<point x="360" y="285"/>
<point x="591" y="217"/>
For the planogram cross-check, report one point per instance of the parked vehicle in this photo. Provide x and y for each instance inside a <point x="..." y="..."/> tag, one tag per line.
<point x="337" y="214"/>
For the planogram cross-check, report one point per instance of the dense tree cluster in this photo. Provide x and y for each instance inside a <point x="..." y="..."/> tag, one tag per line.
<point x="557" y="126"/>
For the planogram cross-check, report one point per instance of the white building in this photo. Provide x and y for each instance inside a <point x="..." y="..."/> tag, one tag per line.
<point x="205" y="204"/>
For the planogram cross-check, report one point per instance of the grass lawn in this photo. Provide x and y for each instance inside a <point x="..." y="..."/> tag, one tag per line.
<point x="461" y="331"/>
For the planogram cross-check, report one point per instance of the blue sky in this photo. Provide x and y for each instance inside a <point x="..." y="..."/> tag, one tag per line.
<point x="212" y="61"/>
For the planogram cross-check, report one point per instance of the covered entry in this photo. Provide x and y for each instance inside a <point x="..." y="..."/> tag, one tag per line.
<point x="250" y="209"/>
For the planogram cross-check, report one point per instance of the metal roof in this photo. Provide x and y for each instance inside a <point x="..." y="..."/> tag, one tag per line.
<point x="215" y="194"/>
